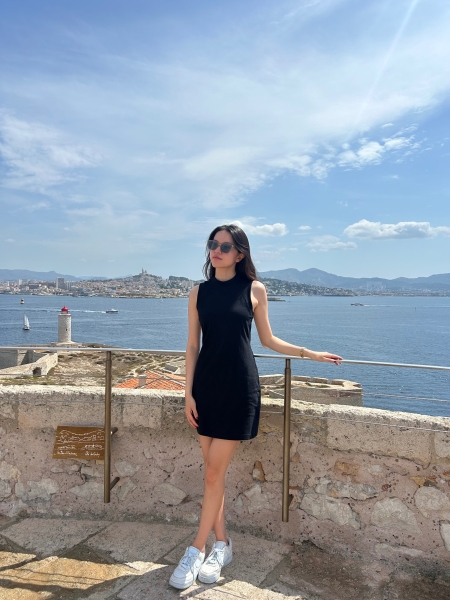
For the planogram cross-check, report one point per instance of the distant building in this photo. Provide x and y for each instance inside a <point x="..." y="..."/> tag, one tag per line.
<point x="60" y="283"/>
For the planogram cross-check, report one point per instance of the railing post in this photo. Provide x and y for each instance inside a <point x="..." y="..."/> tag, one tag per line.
<point x="286" y="439"/>
<point x="107" y="483"/>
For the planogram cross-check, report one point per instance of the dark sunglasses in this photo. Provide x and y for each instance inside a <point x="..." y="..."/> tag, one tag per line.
<point x="225" y="247"/>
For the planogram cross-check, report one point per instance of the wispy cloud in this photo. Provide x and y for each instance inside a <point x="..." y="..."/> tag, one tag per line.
<point x="275" y="230"/>
<point x="38" y="157"/>
<point x="370" y="230"/>
<point x="325" y="243"/>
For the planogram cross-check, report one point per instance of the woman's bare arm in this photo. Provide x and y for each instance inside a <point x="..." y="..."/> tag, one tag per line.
<point x="268" y="340"/>
<point x="192" y="351"/>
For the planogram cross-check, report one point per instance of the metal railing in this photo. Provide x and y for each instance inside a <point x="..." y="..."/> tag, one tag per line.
<point x="109" y="431"/>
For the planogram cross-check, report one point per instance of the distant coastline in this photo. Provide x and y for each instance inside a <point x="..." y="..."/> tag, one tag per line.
<point x="287" y="283"/>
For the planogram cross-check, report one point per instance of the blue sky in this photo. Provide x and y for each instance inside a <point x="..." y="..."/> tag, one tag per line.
<point x="129" y="130"/>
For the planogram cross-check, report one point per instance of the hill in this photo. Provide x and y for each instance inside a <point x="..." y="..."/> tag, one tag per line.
<point x="434" y="283"/>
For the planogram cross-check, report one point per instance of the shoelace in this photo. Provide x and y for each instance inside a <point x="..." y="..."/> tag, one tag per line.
<point x="188" y="561"/>
<point x="214" y="556"/>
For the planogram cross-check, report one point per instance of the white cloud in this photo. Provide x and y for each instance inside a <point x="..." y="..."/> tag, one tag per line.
<point x="304" y="227"/>
<point x="10" y="240"/>
<point x="387" y="125"/>
<point x="325" y="243"/>
<point x="38" y="157"/>
<point x="275" y="230"/>
<point x="212" y="121"/>
<point x="370" y="230"/>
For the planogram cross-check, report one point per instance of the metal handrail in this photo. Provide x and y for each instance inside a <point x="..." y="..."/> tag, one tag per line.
<point x="108" y="484"/>
<point x="182" y="353"/>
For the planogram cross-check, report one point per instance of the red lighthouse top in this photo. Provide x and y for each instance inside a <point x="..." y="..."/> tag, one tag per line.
<point x="65" y="310"/>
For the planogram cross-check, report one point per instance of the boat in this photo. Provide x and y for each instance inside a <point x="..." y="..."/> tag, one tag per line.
<point x="275" y="299"/>
<point x="356" y="304"/>
<point x="22" y="301"/>
<point x="112" y="310"/>
<point x="26" y="323"/>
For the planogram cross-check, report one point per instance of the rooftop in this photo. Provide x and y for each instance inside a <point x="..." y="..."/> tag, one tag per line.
<point x="155" y="380"/>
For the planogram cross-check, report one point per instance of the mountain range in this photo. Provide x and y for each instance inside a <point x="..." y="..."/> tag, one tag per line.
<point x="435" y="283"/>
<point x="317" y="277"/>
<point x="15" y="274"/>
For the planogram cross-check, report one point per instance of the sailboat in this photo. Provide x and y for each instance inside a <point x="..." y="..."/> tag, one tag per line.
<point x="22" y="301"/>
<point x="26" y="323"/>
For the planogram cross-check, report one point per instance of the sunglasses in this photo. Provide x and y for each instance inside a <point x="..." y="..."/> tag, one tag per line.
<point x="225" y="247"/>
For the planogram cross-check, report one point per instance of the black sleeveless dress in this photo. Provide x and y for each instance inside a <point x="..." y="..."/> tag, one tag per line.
<point x="226" y="385"/>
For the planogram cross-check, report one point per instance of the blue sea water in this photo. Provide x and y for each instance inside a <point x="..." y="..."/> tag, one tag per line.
<point x="388" y="329"/>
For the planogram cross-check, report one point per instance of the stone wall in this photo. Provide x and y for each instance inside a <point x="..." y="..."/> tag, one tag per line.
<point x="373" y="487"/>
<point x="314" y="389"/>
<point x="34" y="364"/>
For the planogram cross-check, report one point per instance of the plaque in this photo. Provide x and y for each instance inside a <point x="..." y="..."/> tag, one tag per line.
<point x="87" y="443"/>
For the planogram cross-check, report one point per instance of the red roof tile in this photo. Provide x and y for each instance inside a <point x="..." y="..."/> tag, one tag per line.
<point x="155" y="381"/>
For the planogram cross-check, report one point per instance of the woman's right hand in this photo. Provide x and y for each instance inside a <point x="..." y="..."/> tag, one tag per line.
<point x="190" y="410"/>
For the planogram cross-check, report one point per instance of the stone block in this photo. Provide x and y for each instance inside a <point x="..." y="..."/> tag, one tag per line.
<point x="5" y="490"/>
<point x="38" y="490"/>
<point x="432" y="503"/>
<point x="126" y="469"/>
<point x="7" y="411"/>
<point x="357" y="491"/>
<point x="391" y="513"/>
<point x="347" y="469"/>
<point x="53" y="577"/>
<point x="271" y="379"/>
<point x="258" y="471"/>
<point x="321" y="507"/>
<point x="88" y="490"/>
<point x="142" y="416"/>
<point x="445" y="533"/>
<point x="320" y="380"/>
<point x="442" y="445"/>
<point x="169" y="494"/>
<point x="129" y="542"/>
<point x="258" y="499"/>
<point x="48" y="536"/>
<point x="378" y="439"/>
<point x="124" y="489"/>
<point x="8" y="471"/>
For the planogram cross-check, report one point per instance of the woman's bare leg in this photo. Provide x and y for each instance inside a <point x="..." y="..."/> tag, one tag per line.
<point x="219" y="455"/>
<point x="219" y="524"/>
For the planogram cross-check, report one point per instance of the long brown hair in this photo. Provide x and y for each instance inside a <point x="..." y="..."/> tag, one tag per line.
<point x="244" y="267"/>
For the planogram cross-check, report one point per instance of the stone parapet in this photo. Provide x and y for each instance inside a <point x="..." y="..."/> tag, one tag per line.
<point x="363" y="481"/>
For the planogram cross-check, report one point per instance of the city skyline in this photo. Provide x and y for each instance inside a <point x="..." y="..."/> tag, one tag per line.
<point x="321" y="127"/>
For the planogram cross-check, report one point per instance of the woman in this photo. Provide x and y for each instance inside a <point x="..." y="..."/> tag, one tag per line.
<point x="223" y="396"/>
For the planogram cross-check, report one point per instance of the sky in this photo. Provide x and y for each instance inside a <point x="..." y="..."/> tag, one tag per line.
<point x="129" y="130"/>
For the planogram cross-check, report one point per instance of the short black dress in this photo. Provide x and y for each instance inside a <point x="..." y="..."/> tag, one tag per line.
<point x="226" y="385"/>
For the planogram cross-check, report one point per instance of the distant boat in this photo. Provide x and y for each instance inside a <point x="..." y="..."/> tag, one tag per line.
<point x="22" y="301"/>
<point x="112" y="310"/>
<point x="26" y="323"/>
<point x="356" y="304"/>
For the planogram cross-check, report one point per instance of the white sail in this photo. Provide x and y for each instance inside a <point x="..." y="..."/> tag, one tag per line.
<point x="26" y="323"/>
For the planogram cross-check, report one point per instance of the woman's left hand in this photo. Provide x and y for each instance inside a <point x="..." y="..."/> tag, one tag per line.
<point x="326" y="357"/>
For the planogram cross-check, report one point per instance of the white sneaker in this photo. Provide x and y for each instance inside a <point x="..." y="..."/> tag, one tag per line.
<point x="187" y="570"/>
<point x="220" y="556"/>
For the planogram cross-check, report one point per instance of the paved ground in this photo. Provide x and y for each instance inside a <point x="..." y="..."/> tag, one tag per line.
<point x="43" y="558"/>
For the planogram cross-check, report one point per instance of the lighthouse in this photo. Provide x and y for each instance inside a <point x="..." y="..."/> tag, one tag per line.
<point x="64" y="326"/>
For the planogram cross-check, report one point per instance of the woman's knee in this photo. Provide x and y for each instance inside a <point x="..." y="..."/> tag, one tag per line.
<point x="213" y="474"/>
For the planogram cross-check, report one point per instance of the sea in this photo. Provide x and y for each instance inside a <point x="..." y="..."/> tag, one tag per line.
<point x="414" y="330"/>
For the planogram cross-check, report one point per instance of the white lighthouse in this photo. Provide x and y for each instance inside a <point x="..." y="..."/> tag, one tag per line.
<point x="64" y="326"/>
